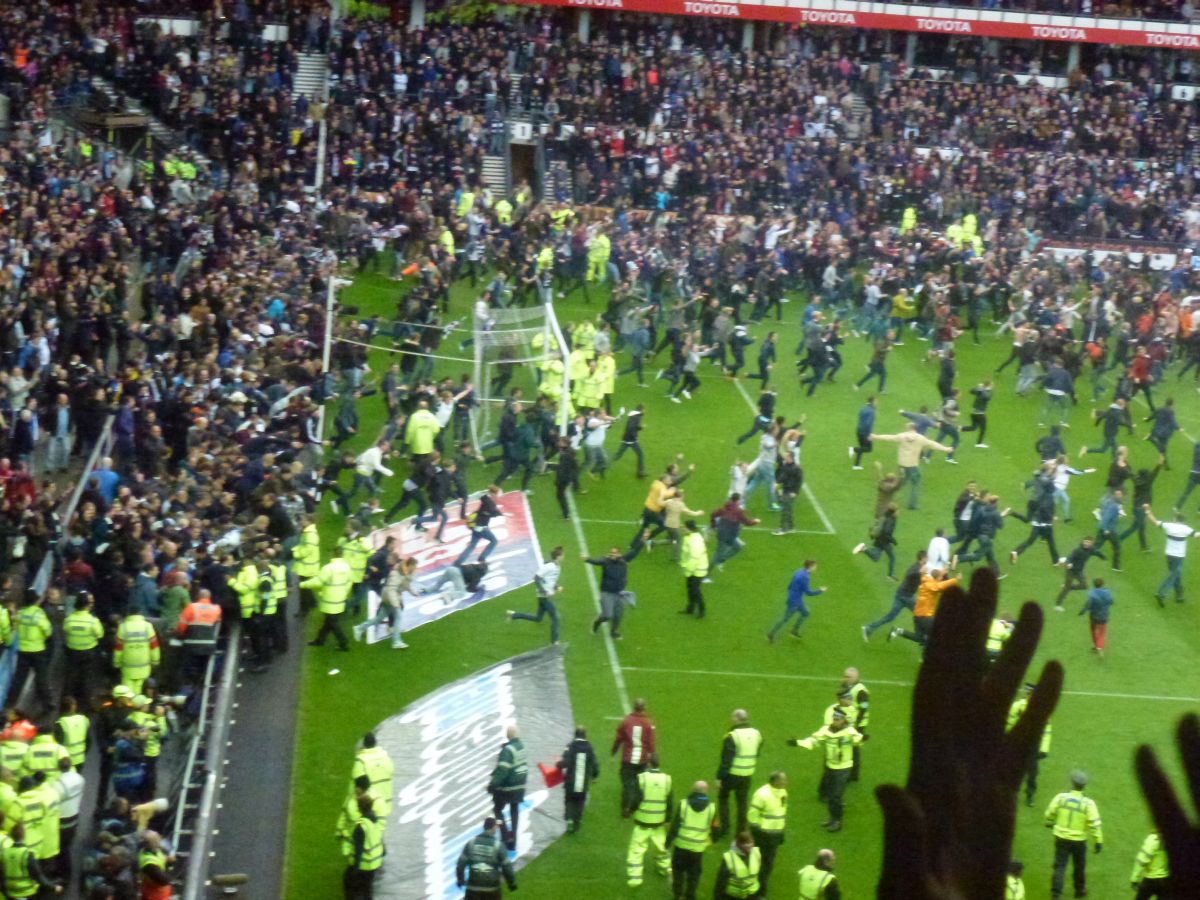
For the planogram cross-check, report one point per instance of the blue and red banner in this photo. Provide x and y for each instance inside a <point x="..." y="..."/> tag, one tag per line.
<point x="511" y="565"/>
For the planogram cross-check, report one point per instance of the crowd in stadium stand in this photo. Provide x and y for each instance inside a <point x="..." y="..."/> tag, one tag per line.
<point x="186" y="299"/>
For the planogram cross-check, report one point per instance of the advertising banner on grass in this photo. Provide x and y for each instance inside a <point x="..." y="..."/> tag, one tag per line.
<point x="512" y="564"/>
<point x="444" y="747"/>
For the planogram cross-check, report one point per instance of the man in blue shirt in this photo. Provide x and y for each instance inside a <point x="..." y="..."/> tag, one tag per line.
<point x="866" y="425"/>
<point x="798" y="588"/>
<point x="1109" y="515"/>
<point x="1099" y="601"/>
<point x="106" y="479"/>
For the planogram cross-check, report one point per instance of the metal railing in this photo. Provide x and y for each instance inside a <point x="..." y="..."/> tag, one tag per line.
<point x="45" y="570"/>
<point x="205" y="769"/>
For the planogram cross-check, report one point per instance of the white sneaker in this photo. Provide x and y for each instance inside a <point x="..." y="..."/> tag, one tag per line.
<point x="866" y="635"/>
<point x="859" y="548"/>
<point x="981" y="446"/>
<point x="687" y="394"/>
<point x="706" y="581"/>
<point x="952" y="460"/>
<point x="400" y="646"/>
<point x="779" y="532"/>
<point x="510" y="613"/>
<point x="856" y="468"/>
<point x="675" y="400"/>
<point x="359" y="631"/>
<point x="850" y="452"/>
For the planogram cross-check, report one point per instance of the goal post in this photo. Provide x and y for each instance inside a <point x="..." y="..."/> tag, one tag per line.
<point x="518" y="347"/>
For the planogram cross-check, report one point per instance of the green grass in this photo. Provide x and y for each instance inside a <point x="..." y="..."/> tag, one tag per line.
<point x="785" y="686"/>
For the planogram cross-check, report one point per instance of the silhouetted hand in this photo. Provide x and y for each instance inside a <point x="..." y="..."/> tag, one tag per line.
<point x="1180" y="837"/>
<point x="948" y="834"/>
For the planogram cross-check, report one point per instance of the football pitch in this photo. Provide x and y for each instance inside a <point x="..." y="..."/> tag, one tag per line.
<point x="693" y="673"/>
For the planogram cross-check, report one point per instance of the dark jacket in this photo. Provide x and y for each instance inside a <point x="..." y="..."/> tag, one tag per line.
<point x="615" y="572"/>
<point x="579" y="766"/>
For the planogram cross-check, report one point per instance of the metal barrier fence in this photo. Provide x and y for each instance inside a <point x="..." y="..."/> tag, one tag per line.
<point x="205" y="771"/>
<point x="45" y="571"/>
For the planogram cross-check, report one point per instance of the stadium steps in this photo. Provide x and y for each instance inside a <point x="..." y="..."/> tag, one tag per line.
<point x="560" y="182"/>
<point x="160" y="133"/>
<point x="312" y="75"/>
<point x="495" y="174"/>
<point x="859" y="120"/>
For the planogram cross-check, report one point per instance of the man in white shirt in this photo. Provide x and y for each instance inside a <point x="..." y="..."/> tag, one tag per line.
<point x="938" y="553"/>
<point x="1177" y="537"/>
<point x="546" y="583"/>
<point x="368" y="466"/>
<point x="70" y="795"/>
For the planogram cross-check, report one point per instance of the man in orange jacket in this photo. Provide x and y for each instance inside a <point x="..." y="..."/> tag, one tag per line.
<point x="928" y="594"/>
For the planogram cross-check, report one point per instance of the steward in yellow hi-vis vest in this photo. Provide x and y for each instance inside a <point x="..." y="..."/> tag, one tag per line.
<point x="1073" y="818"/>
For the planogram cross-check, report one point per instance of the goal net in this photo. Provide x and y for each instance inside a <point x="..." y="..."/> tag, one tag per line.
<point x="518" y="347"/>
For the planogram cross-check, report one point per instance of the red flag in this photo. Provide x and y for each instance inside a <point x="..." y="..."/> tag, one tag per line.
<point x="552" y="775"/>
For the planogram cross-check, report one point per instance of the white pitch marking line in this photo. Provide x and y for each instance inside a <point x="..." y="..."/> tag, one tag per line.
<point x="812" y="498"/>
<point x="610" y="646"/>
<point x="779" y="676"/>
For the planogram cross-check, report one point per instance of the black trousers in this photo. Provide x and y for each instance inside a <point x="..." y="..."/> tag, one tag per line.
<point x="629" y="776"/>
<point x="978" y="423"/>
<point x="508" y="826"/>
<point x="560" y="491"/>
<point x="308" y="601"/>
<point x="80" y="676"/>
<point x="685" y="873"/>
<point x="1076" y="852"/>
<point x="833" y="789"/>
<point x="1039" y="531"/>
<point x="768" y="844"/>
<point x="695" y="597"/>
<point x="1153" y="888"/>
<point x="573" y="805"/>
<point x="278" y="629"/>
<point x="739" y="787"/>
<point x="1031" y="776"/>
<point x="358" y="885"/>
<point x="332" y="625"/>
<point x="39" y="664"/>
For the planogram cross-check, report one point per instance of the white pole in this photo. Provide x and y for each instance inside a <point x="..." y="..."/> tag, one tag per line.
<point x="564" y="403"/>
<point x="322" y="131"/>
<point x="327" y="349"/>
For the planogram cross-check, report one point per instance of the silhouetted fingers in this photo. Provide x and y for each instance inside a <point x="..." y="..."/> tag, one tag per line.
<point x="1006" y="675"/>
<point x="1164" y="805"/>
<point x="1189" y="749"/>
<point x="905" y="854"/>
<point x="1022" y="742"/>
<point x="956" y="650"/>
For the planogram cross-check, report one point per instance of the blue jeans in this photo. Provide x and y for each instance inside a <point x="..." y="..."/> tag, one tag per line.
<point x="1174" y="579"/>
<point x="900" y="602"/>
<point x="476" y="534"/>
<point x="436" y="513"/>
<point x="546" y="607"/>
<point x="912" y="477"/>
<point x="801" y="612"/>
<point x="1064" y="503"/>
<point x="758" y="478"/>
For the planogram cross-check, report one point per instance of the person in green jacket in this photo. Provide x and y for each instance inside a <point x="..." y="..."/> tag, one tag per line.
<point x="482" y="863"/>
<point x="33" y="648"/>
<point x="421" y="431"/>
<point x="507" y="785"/>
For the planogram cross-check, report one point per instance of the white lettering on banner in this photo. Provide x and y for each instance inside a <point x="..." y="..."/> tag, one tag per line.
<point x="710" y="9"/>
<point x="1188" y="41"/>
<point x="600" y="4"/>
<point x="1060" y="34"/>
<point x="950" y="26"/>
<point x="822" y="17"/>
